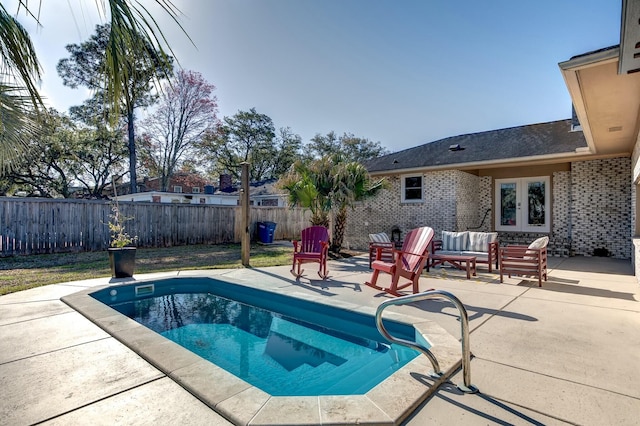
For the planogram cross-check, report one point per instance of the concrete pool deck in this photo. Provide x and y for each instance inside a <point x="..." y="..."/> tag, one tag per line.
<point x="566" y="353"/>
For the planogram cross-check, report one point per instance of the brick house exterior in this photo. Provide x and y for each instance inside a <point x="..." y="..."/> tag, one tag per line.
<point x="591" y="209"/>
<point x="590" y="199"/>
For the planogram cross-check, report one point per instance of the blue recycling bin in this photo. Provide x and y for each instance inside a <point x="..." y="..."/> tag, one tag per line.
<point x="266" y="231"/>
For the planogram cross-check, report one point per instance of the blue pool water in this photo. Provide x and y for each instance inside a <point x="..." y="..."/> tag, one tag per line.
<point x="284" y="346"/>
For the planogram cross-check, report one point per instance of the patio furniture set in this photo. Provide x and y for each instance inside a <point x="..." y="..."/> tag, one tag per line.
<point x="419" y="250"/>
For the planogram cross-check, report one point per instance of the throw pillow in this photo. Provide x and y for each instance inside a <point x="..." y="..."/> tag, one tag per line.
<point x="479" y="241"/>
<point x="455" y="241"/>
<point x="379" y="238"/>
<point x="537" y="244"/>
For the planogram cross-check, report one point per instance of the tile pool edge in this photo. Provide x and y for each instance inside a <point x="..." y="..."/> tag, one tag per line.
<point x="390" y="402"/>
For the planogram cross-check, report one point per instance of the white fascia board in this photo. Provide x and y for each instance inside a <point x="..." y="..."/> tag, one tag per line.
<point x="571" y="73"/>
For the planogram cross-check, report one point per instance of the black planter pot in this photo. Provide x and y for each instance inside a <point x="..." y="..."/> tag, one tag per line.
<point x="123" y="261"/>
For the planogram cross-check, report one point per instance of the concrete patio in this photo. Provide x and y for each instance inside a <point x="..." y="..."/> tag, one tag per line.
<point x="566" y="353"/>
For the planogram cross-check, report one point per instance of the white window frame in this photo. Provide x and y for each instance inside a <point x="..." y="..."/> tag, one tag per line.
<point x="403" y="193"/>
<point x="195" y="190"/>
<point x="177" y="189"/>
<point x="522" y="204"/>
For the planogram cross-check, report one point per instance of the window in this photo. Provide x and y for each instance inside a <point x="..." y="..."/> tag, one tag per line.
<point x="412" y="189"/>
<point x="177" y="189"/>
<point x="523" y="204"/>
<point x="195" y="190"/>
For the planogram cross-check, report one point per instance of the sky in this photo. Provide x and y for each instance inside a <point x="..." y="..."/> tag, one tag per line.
<point x="402" y="73"/>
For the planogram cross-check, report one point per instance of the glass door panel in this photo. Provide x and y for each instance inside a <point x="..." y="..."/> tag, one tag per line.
<point x="507" y="203"/>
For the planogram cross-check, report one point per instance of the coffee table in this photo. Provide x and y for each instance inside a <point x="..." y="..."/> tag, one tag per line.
<point x="465" y="263"/>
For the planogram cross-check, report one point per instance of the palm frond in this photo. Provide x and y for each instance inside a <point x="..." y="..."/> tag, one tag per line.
<point x="133" y="30"/>
<point x="18" y="125"/>
<point x="19" y="60"/>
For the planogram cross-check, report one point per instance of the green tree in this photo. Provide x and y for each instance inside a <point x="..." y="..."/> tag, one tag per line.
<point x="67" y="153"/>
<point x="247" y="136"/>
<point x="250" y="136"/>
<point x="289" y="149"/>
<point x="45" y="170"/>
<point x="347" y="146"/>
<point x="98" y="158"/>
<point x="85" y="68"/>
<point x="133" y="30"/>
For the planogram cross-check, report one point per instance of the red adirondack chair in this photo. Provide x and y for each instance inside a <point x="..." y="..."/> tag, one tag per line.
<point x="408" y="262"/>
<point x="312" y="247"/>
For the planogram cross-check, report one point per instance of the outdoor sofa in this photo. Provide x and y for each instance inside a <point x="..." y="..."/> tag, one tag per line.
<point x="482" y="245"/>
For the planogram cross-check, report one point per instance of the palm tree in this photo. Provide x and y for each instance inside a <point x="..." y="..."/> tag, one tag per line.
<point x="352" y="183"/>
<point x="133" y="28"/>
<point x="309" y="187"/>
<point x="329" y="185"/>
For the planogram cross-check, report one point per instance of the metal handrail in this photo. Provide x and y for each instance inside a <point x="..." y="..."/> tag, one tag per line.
<point x="467" y="387"/>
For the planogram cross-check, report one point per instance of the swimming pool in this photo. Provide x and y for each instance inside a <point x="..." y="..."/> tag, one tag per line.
<point x="306" y="349"/>
<point x="388" y="402"/>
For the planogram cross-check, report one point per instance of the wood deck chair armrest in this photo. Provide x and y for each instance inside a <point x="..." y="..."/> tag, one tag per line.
<point x="380" y="248"/>
<point x="295" y="245"/>
<point x="436" y="245"/>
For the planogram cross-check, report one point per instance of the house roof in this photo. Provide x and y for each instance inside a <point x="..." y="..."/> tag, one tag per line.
<point x="535" y="140"/>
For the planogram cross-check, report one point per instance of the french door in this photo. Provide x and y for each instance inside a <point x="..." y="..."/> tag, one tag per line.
<point x="523" y="204"/>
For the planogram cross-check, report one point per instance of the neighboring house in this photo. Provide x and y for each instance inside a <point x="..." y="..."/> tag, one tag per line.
<point x="221" y="199"/>
<point x="186" y="189"/>
<point x="573" y="180"/>
<point x="180" y="183"/>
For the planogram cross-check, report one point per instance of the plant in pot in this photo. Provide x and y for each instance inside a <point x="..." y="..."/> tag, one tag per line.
<point x="122" y="254"/>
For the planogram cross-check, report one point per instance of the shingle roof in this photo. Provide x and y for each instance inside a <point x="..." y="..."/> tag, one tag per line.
<point x="554" y="137"/>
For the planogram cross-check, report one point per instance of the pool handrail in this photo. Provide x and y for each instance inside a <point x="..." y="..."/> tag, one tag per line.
<point x="467" y="387"/>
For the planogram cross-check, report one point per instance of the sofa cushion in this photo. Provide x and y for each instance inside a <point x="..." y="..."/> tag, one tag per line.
<point x="479" y="241"/>
<point x="455" y="241"/>
<point x="379" y="238"/>
<point x="481" y="256"/>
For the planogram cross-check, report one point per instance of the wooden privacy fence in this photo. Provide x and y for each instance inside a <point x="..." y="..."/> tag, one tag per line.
<point x="37" y="225"/>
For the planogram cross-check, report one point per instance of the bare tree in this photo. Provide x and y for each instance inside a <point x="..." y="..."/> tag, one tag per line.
<point x="187" y="111"/>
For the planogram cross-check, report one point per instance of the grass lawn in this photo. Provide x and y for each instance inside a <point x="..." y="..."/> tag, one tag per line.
<point x="24" y="272"/>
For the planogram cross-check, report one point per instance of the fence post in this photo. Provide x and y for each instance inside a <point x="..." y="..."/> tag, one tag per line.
<point x="245" y="241"/>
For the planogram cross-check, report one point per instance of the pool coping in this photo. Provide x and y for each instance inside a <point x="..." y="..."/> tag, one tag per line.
<point x="388" y="403"/>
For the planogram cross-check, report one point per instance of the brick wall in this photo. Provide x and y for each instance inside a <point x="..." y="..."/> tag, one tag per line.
<point x="484" y="221"/>
<point x="466" y="190"/>
<point x="601" y="214"/>
<point x="451" y="200"/>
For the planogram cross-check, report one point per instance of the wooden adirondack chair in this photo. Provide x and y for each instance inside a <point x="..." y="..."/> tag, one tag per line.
<point x="312" y="247"/>
<point x="408" y="262"/>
